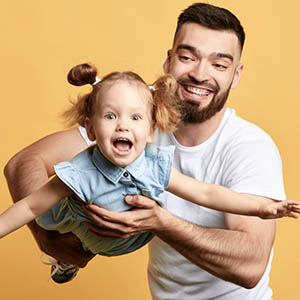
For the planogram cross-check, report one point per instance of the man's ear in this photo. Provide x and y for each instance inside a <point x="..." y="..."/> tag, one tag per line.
<point x="166" y="64"/>
<point x="89" y="129"/>
<point x="237" y="76"/>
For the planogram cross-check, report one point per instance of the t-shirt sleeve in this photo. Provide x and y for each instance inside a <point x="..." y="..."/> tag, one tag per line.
<point x="254" y="168"/>
<point x="85" y="137"/>
<point x="70" y="177"/>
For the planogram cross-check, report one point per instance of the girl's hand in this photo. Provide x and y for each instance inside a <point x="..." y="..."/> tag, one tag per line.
<point x="280" y="209"/>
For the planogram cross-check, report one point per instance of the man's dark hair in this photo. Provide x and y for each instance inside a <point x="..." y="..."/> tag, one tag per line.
<point x="212" y="17"/>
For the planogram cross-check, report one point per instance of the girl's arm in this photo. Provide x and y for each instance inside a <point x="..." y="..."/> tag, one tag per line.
<point x="220" y="198"/>
<point x="33" y="206"/>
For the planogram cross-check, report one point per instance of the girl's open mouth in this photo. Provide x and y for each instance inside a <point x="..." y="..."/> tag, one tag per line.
<point x="122" y="146"/>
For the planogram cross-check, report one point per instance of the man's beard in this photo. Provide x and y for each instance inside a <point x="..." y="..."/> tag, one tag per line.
<point x="192" y="113"/>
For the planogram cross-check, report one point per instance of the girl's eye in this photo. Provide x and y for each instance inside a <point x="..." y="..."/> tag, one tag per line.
<point x="136" y="117"/>
<point x="110" y="116"/>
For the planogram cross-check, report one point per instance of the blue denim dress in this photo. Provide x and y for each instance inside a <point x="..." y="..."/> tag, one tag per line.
<point x="96" y="180"/>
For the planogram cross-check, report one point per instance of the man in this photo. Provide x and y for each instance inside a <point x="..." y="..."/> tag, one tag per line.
<point x="198" y="253"/>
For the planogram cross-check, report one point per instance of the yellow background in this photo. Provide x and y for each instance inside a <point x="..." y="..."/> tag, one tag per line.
<point x="41" y="40"/>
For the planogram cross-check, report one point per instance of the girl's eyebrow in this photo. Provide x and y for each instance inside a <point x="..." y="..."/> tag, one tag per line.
<point x="197" y="53"/>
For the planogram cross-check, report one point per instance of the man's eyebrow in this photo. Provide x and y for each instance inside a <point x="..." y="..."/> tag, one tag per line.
<point x="187" y="47"/>
<point x="223" y="55"/>
<point x="196" y="52"/>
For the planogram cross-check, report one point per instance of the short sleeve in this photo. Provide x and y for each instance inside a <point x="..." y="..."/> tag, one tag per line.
<point x="254" y="167"/>
<point x="85" y="137"/>
<point x="70" y="177"/>
<point x="165" y="156"/>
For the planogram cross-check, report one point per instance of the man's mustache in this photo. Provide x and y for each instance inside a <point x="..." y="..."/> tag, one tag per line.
<point x="201" y="84"/>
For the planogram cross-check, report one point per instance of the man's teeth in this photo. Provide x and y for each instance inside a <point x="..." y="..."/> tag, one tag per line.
<point x="197" y="91"/>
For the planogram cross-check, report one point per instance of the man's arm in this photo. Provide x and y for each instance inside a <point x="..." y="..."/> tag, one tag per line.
<point x="31" y="168"/>
<point x="238" y="254"/>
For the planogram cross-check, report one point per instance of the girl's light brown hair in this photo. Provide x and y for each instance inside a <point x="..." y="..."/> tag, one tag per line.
<point x="165" y="111"/>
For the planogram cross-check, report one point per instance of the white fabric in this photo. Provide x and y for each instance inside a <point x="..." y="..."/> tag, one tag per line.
<point x="239" y="156"/>
<point x="85" y="136"/>
<point x="97" y="79"/>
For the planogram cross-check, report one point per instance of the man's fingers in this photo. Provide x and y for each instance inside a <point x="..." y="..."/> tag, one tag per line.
<point x="124" y="224"/>
<point x="139" y="201"/>
<point x="129" y="218"/>
<point x="120" y="224"/>
<point x="100" y="214"/>
<point x="114" y="231"/>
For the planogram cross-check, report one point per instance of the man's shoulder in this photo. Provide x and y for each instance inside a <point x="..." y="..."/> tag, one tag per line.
<point x="237" y="128"/>
<point x="241" y="140"/>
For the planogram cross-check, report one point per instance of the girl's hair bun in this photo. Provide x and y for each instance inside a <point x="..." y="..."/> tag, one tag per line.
<point x="82" y="74"/>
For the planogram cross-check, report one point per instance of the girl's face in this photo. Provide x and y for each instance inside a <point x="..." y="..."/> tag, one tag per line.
<point x="122" y="124"/>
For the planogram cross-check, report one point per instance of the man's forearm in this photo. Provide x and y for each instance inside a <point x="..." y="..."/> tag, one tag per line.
<point x="238" y="254"/>
<point x="235" y="256"/>
<point x="24" y="177"/>
<point x="29" y="169"/>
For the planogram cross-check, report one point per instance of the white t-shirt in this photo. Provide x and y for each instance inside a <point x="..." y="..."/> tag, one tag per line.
<point x="239" y="156"/>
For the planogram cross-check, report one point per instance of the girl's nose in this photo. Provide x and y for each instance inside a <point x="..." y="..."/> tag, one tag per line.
<point x="122" y="126"/>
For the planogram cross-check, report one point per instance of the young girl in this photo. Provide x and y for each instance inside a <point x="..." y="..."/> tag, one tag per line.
<point x="120" y="114"/>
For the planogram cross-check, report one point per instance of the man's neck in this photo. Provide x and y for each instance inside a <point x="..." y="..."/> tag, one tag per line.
<point x="190" y="135"/>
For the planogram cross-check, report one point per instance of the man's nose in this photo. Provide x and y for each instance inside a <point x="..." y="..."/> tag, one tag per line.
<point x="200" y="72"/>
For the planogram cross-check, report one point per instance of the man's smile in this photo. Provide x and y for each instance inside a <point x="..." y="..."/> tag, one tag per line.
<point x="197" y="90"/>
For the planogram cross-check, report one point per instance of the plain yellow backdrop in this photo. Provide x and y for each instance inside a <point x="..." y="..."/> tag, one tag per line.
<point x="42" y="40"/>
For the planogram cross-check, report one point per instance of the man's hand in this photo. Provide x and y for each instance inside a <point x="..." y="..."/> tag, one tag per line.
<point x="144" y="217"/>
<point x="64" y="247"/>
<point x="238" y="254"/>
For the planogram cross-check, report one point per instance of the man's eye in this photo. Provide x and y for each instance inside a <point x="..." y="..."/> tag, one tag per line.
<point x="110" y="116"/>
<point x="185" y="58"/>
<point x="136" y="117"/>
<point x="220" y="67"/>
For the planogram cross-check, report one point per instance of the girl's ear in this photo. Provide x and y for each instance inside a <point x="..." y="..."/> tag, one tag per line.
<point x="89" y="129"/>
